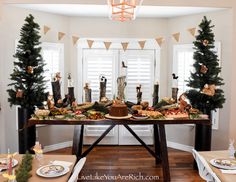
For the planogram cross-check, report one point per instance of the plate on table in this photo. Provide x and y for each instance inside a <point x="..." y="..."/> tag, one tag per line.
<point x="140" y="116"/>
<point x="223" y="163"/>
<point x="114" y="117"/>
<point x="52" y="171"/>
<point x="3" y="163"/>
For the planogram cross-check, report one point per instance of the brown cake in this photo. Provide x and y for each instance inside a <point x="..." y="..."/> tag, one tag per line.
<point x="118" y="110"/>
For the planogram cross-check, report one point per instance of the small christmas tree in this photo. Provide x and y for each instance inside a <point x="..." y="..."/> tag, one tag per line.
<point x="205" y="81"/>
<point x="28" y="80"/>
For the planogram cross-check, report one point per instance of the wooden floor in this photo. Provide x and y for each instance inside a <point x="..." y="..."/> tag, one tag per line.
<point x="133" y="162"/>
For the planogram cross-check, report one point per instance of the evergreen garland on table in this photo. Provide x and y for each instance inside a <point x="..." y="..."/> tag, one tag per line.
<point x="27" y="88"/>
<point x="23" y="172"/>
<point x="205" y="94"/>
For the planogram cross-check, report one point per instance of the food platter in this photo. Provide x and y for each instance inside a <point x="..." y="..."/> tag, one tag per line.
<point x="223" y="163"/>
<point x="113" y="117"/>
<point x="52" y="171"/>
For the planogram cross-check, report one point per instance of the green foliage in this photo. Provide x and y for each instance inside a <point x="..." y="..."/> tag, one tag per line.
<point x="23" y="172"/>
<point x="204" y="55"/>
<point x="32" y="84"/>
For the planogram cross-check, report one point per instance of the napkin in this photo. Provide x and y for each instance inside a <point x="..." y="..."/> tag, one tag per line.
<point x="231" y="171"/>
<point x="63" y="163"/>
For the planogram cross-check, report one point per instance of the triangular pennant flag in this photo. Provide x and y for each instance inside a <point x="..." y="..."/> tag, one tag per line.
<point x="46" y="29"/>
<point x="142" y="43"/>
<point x="192" y="31"/>
<point x="107" y="45"/>
<point x="90" y="43"/>
<point x="176" y="36"/>
<point x="160" y="40"/>
<point x="61" y="35"/>
<point x="125" y="45"/>
<point x="75" y="39"/>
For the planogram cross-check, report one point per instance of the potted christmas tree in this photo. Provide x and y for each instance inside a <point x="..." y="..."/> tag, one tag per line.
<point x="205" y="81"/>
<point x="28" y="85"/>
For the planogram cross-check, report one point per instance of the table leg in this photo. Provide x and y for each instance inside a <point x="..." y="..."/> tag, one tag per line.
<point x="156" y="142"/>
<point x="78" y="140"/>
<point x="164" y="152"/>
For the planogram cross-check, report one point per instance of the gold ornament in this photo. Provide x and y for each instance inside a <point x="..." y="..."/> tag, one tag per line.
<point x="30" y="70"/>
<point x="205" y="42"/>
<point x="203" y="69"/>
<point x="209" y="90"/>
<point x="19" y="93"/>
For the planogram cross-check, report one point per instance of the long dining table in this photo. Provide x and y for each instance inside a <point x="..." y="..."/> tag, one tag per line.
<point x="160" y="152"/>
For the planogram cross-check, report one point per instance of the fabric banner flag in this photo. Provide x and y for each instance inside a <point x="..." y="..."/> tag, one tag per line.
<point x="61" y="35"/>
<point x="142" y="43"/>
<point x="75" y="39"/>
<point x="125" y="45"/>
<point x="192" y="31"/>
<point x="107" y="45"/>
<point x="45" y="29"/>
<point x="176" y="36"/>
<point x="160" y="41"/>
<point x="90" y="43"/>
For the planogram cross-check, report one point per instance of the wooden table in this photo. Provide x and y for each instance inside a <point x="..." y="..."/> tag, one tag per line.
<point x="46" y="160"/>
<point x="160" y="147"/>
<point x="218" y="154"/>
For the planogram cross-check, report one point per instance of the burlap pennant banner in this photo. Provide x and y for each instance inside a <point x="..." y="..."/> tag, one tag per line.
<point x="142" y="43"/>
<point x="90" y="43"/>
<point x="160" y="41"/>
<point x="125" y="45"/>
<point x="75" y="39"/>
<point x="107" y="45"/>
<point x="176" y="36"/>
<point x="192" y="31"/>
<point x="61" y="35"/>
<point x="46" y="29"/>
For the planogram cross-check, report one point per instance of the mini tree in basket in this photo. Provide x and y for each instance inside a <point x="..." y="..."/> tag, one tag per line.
<point x="28" y="85"/>
<point x="205" y="94"/>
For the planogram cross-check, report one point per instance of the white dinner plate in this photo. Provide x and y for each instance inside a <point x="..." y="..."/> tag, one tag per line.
<point x="113" y="117"/>
<point x="52" y="171"/>
<point x="222" y="166"/>
<point x="3" y="163"/>
<point x="140" y="117"/>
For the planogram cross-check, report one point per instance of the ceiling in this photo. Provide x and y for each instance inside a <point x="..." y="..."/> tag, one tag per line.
<point x="102" y="10"/>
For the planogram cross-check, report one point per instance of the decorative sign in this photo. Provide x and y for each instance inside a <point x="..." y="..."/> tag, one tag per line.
<point x="60" y="35"/>
<point x="125" y="45"/>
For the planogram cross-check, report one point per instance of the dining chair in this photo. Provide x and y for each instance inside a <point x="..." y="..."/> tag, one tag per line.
<point x="204" y="169"/>
<point x="75" y="172"/>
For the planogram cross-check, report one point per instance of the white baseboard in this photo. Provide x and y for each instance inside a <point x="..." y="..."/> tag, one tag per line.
<point x="62" y="145"/>
<point x="57" y="146"/>
<point x="179" y="146"/>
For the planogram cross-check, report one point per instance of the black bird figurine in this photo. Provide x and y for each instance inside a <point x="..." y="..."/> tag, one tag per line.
<point x="175" y="77"/>
<point x="123" y="65"/>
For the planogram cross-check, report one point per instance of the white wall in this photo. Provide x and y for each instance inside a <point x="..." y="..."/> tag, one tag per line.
<point x="104" y="28"/>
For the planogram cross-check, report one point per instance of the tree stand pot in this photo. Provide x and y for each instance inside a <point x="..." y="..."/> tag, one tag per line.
<point x="26" y="136"/>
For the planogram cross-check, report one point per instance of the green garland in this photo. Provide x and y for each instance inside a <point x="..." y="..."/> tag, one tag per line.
<point x="23" y="172"/>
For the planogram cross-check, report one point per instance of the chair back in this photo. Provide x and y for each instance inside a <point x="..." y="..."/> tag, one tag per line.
<point x="75" y="173"/>
<point x="204" y="169"/>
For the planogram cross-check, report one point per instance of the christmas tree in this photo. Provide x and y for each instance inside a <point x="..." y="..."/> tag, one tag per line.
<point x="27" y="88"/>
<point x="205" y="94"/>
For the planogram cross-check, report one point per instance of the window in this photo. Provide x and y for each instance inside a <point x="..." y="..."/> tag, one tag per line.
<point x="53" y="55"/>
<point x="183" y="63"/>
<point x="140" y="70"/>
<point x="97" y="62"/>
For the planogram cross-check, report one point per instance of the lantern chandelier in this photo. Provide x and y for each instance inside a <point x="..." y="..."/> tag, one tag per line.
<point x="123" y="10"/>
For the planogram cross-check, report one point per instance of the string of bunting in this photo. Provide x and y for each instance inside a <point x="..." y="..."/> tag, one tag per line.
<point x="159" y="40"/>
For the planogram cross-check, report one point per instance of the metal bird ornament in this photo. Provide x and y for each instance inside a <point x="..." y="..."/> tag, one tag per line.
<point x="175" y="77"/>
